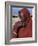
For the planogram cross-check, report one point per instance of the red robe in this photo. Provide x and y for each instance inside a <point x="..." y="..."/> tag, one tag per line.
<point x="24" y="31"/>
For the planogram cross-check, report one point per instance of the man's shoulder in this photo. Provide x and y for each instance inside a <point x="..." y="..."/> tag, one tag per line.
<point x="17" y="23"/>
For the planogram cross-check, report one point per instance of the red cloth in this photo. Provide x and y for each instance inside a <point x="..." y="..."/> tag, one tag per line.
<point x="27" y="31"/>
<point x="24" y="31"/>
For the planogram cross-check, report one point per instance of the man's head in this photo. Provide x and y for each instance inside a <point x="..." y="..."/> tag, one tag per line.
<point x="24" y="14"/>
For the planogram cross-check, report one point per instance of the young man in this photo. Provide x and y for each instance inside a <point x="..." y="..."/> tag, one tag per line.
<point x="23" y="28"/>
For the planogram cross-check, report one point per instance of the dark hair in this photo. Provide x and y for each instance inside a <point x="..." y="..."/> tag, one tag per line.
<point x="25" y="11"/>
<point x="19" y="14"/>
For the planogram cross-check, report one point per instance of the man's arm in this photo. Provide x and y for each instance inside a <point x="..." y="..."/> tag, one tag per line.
<point x="15" y="29"/>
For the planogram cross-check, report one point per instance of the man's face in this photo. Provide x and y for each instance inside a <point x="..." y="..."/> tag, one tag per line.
<point x="23" y="17"/>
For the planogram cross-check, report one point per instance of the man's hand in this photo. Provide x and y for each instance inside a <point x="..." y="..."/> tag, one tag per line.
<point x="14" y="34"/>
